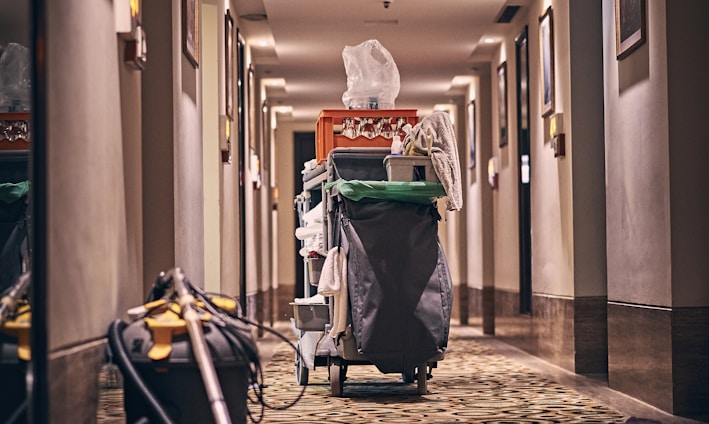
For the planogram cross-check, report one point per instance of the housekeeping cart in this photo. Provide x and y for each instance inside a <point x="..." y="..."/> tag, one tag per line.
<point x="382" y="245"/>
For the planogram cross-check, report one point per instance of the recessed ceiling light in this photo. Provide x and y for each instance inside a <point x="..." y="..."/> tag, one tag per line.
<point x="488" y="40"/>
<point x="283" y="109"/>
<point x="274" y="82"/>
<point x="460" y="80"/>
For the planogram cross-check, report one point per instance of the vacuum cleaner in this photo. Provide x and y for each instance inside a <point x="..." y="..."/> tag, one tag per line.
<point x="15" y="353"/>
<point x="185" y="356"/>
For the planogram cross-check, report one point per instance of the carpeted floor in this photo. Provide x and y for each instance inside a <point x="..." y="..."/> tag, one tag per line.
<point x="473" y="384"/>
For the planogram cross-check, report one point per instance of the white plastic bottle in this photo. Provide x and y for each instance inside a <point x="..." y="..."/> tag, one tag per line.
<point x="397" y="146"/>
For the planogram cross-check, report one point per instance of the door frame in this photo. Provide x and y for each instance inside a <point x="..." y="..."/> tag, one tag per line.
<point x="524" y="168"/>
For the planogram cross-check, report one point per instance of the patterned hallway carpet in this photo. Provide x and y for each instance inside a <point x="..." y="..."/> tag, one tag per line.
<point x="471" y="385"/>
<point x="475" y="383"/>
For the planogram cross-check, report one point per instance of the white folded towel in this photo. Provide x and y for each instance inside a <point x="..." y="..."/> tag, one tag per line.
<point x="333" y="282"/>
<point x="314" y="215"/>
<point x="302" y="233"/>
<point x="312" y="300"/>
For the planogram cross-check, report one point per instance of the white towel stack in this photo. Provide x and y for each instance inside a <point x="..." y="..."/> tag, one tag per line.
<point x="312" y="232"/>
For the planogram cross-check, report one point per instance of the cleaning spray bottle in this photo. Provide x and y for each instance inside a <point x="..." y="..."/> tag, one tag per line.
<point x="397" y="147"/>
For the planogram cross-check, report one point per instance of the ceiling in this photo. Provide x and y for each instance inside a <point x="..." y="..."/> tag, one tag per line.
<point x="301" y="42"/>
<point x="431" y="42"/>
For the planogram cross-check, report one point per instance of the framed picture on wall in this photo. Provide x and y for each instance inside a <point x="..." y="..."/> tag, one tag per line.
<point x="190" y="30"/>
<point x="629" y="26"/>
<point x="471" y="132"/>
<point x="229" y="58"/>
<point x="546" y="43"/>
<point x="502" y="102"/>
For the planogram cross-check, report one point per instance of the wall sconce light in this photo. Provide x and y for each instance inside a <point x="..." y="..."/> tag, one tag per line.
<point x="255" y="169"/>
<point x="128" y="17"/>
<point x="492" y="172"/>
<point x="135" y="53"/>
<point x="556" y="134"/>
<point x="225" y="138"/>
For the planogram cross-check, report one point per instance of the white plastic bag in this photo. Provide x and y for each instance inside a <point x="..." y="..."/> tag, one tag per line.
<point x="372" y="77"/>
<point x="15" y="77"/>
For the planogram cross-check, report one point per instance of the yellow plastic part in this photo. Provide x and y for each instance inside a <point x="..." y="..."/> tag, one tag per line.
<point x="225" y="303"/>
<point x="20" y="327"/>
<point x="164" y="326"/>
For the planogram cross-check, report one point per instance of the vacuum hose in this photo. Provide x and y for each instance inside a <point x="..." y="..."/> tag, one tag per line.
<point x="130" y="372"/>
<point x="9" y="301"/>
<point x="200" y="349"/>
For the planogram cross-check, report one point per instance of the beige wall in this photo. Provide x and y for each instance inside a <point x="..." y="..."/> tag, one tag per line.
<point x="283" y="177"/>
<point x="585" y="134"/>
<point x="131" y="122"/>
<point x="637" y="165"/>
<point x="230" y="257"/>
<point x="189" y="206"/>
<point x="211" y="159"/>
<point x="567" y="193"/>
<point x="172" y="149"/>
<point x="656" y="205"/>
<point x="451" y="227"/>
<point x="551" y="183"/>
<point x="87" y="243"/>
<point x="478" y="193"/>
<point x="505" y="197"/>
<point x="252" y="204"/>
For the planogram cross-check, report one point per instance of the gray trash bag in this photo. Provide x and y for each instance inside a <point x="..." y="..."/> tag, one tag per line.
<point x="15" y="77"/>
<point x="372" y="77"/>
<point x="399" y="285"/>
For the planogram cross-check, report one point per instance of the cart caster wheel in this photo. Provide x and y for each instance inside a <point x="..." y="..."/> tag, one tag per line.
<point x="422" y="377"/>
<point x="301" y="371"/>
<point x="408" y="377"/>
<point x="337" y="377"/>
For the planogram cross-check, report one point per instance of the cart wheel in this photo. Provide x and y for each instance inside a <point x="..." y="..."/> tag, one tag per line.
<point x="301" y="371"/>
<point x="422" y="379"/>
<point x="337" y="377"/>
<point x="408" y="376"/>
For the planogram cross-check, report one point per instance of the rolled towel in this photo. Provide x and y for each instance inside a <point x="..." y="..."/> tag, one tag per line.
<point x="314" y="215"/>
<point x="302" y="233"/>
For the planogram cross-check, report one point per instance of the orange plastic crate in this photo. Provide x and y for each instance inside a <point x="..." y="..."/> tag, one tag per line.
<point x="326" y="139"/>
<point x="20" y="143"/>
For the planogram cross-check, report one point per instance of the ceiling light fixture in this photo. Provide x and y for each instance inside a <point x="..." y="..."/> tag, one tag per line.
<point x="283" y="109"/>
<point x="274" y="82"/>
<point x="461" y="80"/>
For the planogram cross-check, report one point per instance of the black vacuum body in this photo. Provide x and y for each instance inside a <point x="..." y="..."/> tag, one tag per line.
<point x="13" y="385"/>
<point x="176" y="381"/>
